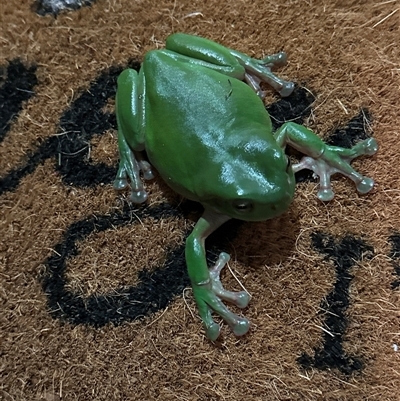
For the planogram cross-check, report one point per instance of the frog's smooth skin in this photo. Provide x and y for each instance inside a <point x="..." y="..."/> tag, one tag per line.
<point x="196" y="108"/>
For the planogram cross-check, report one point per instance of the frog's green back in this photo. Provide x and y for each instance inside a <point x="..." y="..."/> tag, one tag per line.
<point x="197" y="123"/>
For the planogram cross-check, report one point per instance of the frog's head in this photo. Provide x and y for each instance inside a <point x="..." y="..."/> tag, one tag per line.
<point x="254" y="189"/>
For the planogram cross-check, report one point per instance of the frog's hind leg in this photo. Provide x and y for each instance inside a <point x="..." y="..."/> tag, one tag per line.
<point x="205" y="52"/>
<point x="258" y="71"/>
<point x="238" y="65"/>
<point x="130" y="136"/>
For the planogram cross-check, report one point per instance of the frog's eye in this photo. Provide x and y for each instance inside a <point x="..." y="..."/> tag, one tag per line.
<point x="243" y="206"/>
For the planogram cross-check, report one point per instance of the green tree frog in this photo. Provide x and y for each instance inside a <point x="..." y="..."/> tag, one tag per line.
<point x="196" y="108"/>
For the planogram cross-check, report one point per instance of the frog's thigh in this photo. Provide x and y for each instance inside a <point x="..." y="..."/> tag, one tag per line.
<point x="129" y="107"/>
<point x="205" y="52"/>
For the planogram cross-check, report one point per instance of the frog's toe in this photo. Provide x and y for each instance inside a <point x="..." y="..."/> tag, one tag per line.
<point x="261" y="94"/>
<point x="139" y="196"/>
<point x="365" y="185"/>
<point x="121" y="179"/>
<point x="148" y="174"/>
<point x="146" y="169"/>
<point x="281" y="59"/>
<point x="287" y="88"/>
<point x="120" y="184"/>
<point x="275" y="60"/>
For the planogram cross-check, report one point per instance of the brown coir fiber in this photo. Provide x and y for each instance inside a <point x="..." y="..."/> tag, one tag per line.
<point x="95" y="304"/>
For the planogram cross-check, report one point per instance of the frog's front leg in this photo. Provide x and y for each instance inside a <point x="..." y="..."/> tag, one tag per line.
<point x="207" y="288"/>
<point x="325" y="160"/>
<point x="230" y="62"/>
<point x="130" y="119"/>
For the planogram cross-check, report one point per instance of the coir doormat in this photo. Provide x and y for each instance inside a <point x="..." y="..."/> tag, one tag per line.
<point x="95" y="299"/>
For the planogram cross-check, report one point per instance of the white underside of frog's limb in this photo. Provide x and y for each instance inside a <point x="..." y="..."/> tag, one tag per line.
<point x="258" y="71"/>
<point x="144" y="166"/>
<point x="238" y="324"/>
<point x="130" y="166"/>
<point x="325" y="160"/>
<point x="241" y="298"/>
<point x="254" y="82"/>
<point x="207" y="288"/>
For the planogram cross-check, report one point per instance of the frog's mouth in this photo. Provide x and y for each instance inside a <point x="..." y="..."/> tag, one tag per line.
<point x="264" y="211"/>
<point x="252" y="200"/>
<point x="251" y="209"/>
<point x="261" y="206"/>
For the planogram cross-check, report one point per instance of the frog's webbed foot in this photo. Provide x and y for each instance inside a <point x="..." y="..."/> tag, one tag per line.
<point x="258" y="71"/>
<point x="130" y="166"/>
<point x="337" y="160"/>
<point x="209" y="296"/>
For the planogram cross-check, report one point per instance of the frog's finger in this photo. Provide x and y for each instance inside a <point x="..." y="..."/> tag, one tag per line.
<point x="212" y="328"/>
<point x="241" y="299"/>
<point x="337" y="160"/>
<point x="207" y="288"/>
<point x="207" y="302"/>
<point x="239" y="325"/>
<point x="368" y="147"/>
<point x="321" y="170"/>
